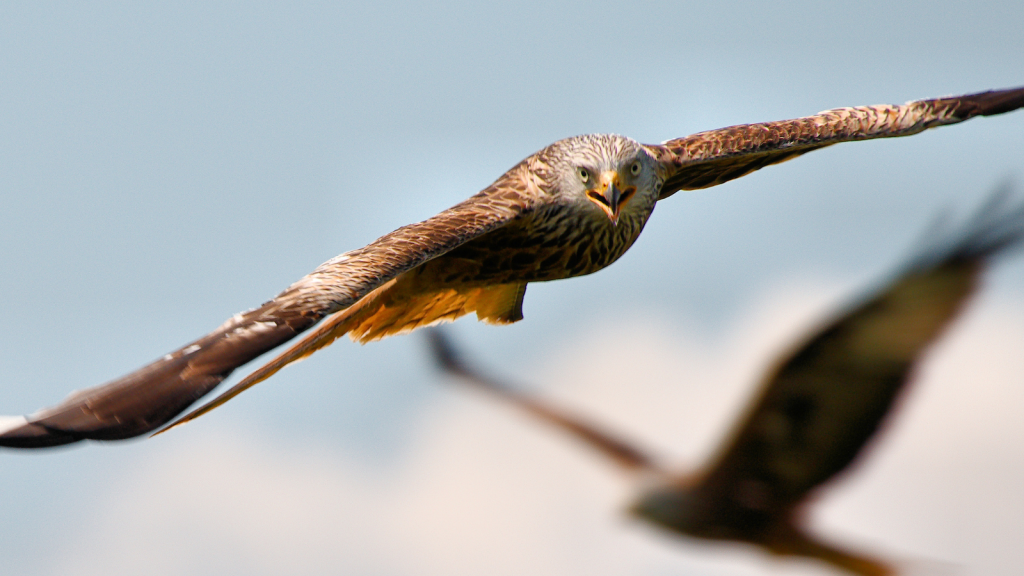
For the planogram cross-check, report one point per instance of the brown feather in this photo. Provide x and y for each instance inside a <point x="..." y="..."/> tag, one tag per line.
<point x="388" y="310"/>
<point x="717" y="156"/>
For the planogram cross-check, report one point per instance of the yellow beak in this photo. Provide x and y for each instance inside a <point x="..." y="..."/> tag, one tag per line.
<point x="610" y="197"/>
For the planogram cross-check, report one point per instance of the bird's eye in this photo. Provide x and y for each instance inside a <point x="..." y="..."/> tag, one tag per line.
<point x="635" y="168"/>
<point x="584" y="175"/>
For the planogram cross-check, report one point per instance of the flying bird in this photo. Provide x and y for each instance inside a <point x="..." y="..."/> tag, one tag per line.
<point x="814" y="412"/>
<point x="568" y="210"/>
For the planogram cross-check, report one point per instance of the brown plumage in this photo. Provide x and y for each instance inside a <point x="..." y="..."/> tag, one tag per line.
<point x="568" y="210"/>
<point x="815" y="412"/>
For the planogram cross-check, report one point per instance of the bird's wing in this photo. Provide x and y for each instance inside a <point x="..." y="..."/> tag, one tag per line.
<point x="710" y="158"/>
<point x="149" y="397"/>
<point x="625" y="455"/>
<point x="783" y="539"/>
<point x="384" y="311"/>
<point x="821" y="404"/>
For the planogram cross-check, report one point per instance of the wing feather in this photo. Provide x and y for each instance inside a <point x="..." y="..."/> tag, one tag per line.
<point x="151" y="396"/>
<point x="710" y="158"/>
<point x="823" y="402"/>
<point x="625" y="455"/>
<point x="378" y="315"/>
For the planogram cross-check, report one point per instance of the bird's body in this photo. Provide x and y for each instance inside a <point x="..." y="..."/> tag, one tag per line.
<point x="555" y="232"/>
<point x="568" y="210"/>
<point x="816" y="409"/>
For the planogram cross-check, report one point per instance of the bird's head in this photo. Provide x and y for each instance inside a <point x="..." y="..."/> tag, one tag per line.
<point x="674" y="507"/>
<point x="611" y="174"/>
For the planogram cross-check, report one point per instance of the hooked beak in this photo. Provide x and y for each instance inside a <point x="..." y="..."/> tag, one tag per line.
<point x="610" y="197"/>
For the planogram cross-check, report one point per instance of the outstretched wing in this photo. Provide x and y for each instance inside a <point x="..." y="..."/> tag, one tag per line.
<point x="710" y="158"/>
<point x="825" y="401"/>
<point x="149" y="397"/>
<point x="624" y="454"/>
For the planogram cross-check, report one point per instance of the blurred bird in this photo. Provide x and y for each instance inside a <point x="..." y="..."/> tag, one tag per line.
<point x="568" y="210"/>
<point x="814" y="413"/>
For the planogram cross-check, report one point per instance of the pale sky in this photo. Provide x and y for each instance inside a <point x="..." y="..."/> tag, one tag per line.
<point x="166" y="167"/>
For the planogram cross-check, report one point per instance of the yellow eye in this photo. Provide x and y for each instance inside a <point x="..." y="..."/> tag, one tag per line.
<point x="635" y="168"/>
<point x="584" y="175"/>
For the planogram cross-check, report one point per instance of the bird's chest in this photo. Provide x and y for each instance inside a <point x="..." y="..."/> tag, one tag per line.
<point x="549" y="245"/>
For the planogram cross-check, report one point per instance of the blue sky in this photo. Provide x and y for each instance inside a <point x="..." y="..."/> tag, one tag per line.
<point x="166" y="166"/>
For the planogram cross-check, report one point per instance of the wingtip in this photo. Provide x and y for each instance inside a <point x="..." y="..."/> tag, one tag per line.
<point x="989" y="103"/>
<point x="10" y="423"/>
<point x="1001" y="101"/>
<point x="19" y="432"/>
<point x="992" y="230"/>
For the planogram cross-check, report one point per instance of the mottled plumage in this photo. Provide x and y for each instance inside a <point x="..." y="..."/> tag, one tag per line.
<point x="815" y="412"/>
<point x="568" y="210"/>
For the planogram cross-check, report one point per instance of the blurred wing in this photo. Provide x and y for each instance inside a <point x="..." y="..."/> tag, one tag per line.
<point x="710" y="158"/>
<point x="625" y="455"/>
<point x="823" y="403"/>
<point x="149" y="397"/>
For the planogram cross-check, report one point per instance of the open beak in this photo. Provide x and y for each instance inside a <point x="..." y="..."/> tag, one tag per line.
<point x="610" y="197"/>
